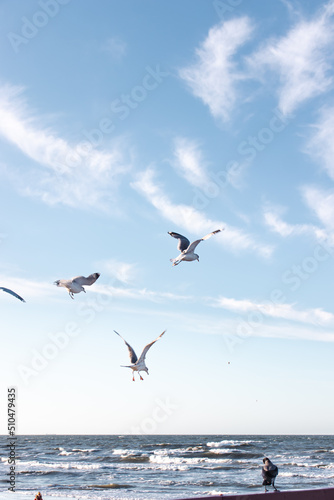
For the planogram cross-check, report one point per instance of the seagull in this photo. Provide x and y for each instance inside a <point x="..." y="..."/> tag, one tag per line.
<point x="138" y="365"/>
<point x="74" y="285"/>
<point x="12" y="293"/>
<point x="186" y="248"/>
<point x="269" y="473"/>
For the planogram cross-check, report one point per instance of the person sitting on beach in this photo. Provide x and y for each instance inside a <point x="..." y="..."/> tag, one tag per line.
<point x="38" y="496"/>
<point x="269" y="473"/>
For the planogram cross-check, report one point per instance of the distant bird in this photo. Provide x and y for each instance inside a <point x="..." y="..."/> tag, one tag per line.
<point x="12" y="293"/>
<point x="75" y="285"/>
<point x="138" y="365"/>
<point x="269" y="473"/>
<point x="186" y="248"/>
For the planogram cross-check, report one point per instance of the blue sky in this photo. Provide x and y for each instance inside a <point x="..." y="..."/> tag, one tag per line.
<point x="121" y="121"/>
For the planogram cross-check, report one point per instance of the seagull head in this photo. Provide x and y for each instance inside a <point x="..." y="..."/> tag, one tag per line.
<point x="56" y="282"/>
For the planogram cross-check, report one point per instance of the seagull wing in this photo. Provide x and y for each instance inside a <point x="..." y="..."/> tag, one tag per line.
<point x="194" y="244"/>
<point x="12" y="293"/>
<point x="81" y="280"/>
<point x="146" y="348"/>
<point x="183" y="241"/>
<point x="133" y="355"/>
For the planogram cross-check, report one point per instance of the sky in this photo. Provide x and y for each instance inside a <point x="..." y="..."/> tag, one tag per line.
<point x="120" y="122"/>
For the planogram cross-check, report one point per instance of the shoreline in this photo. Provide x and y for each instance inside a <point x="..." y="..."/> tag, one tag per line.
<point x="15" y="495"/>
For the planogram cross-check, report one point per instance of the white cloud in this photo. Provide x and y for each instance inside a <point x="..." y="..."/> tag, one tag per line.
<point x="214" y="76"/>
<point x="236" y="331"/>
<point x="321" y="144"/>
<point x="322" y="203"/>
<point x="115" y="46"/>
<point x="33" y="289"/>
<point x="189" y="162"/>
<point x="78" y="175"/>
<point x="28" y="289"/>
<point x="124" y="292"/>
<point x="302" y="58"/>
<point x="273" y="220"/>
<point x="275" y="310"/>
<point x="121" y="271"/>
<point x="193" y="221"/>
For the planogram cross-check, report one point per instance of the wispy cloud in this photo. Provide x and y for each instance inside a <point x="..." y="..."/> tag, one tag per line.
<point x="321" y="201"/>
<point x="193" y="221"/>
<point x="34" y="289"/>
<point x="236" y="331"/>
<point x="302" y="58"/>
<point x="321" y="144"/>
<point x="78" y="175"/>
<point x="115" y="46"/>
<point x="124" y="292"/>
<point x="123" y="272"/>
<point x="28" y="289"/>
<point x="283" y="311"/>
<point x="189" y="162"/>
<point x="318" y="324"/>
<point x="273" y="219"/>
<point x="215" y="74"/>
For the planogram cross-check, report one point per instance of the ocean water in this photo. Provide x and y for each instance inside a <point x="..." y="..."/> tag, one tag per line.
<point x="162" y="467"/>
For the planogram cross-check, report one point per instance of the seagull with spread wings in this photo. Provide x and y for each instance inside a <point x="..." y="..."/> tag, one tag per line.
<point x="75" y="285"/>
<point x="12" y="293"/>
<point x="138" y="365"/>
<point x="186" y="248"/>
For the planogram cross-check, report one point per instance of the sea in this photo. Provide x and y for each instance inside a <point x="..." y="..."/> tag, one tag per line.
<point x="152" y="467"/>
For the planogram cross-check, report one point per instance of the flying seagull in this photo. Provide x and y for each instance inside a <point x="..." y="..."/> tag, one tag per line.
<point x="186" y="248"/>
<point x="75" y="285"/>
<point x="138" y="365"/>
<point x="269" y="473"/>
<point x="12" y="293"/>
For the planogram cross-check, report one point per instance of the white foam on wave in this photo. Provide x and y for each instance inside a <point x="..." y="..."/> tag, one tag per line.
<point x="173" y="451"/>
<point x="34" y="465"/>
<point x="125" y="452"/>
<point x="221" y="450"/>
<point x="233" y="442"/>
<point x="166" y="459"/>
<point x="87" y="450"/>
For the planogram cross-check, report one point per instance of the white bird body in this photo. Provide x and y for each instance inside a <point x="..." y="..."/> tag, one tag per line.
<point x="75" y="285"/>
<point x="188" y="249"/>
<point x="138" y="365"/>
